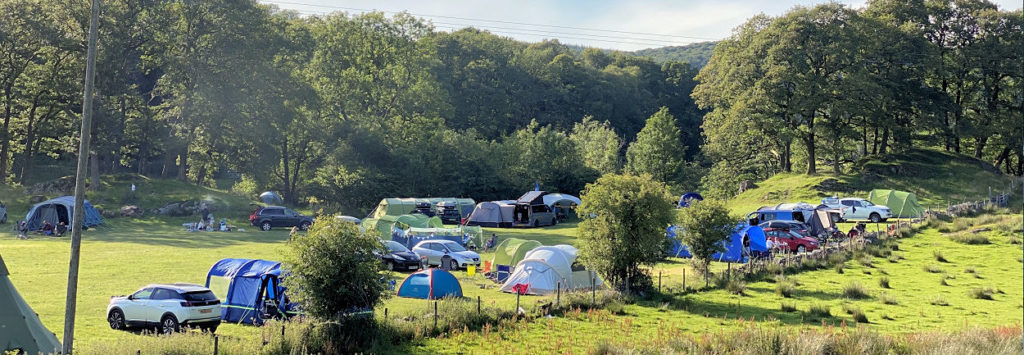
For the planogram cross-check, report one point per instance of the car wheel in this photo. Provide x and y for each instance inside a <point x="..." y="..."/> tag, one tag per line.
<point x="455" y="264"/>
<point x="116" y="319"/>
<point x="554" y="221"/>
<point x="265" y="226"/>
<point x="169" y="325"/>
<point x="536" y="223"/>
<point x="304" y="226"/>
<point x="801" y="249"/>
<point x="875" y="218"/>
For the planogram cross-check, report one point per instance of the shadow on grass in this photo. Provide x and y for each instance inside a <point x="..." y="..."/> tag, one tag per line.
<point x="798" y="293"/>
<point x="740" y="310"/>
<point x="166" y="232"/>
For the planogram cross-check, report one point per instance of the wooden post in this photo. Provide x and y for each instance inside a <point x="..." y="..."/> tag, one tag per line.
<point x="593" y="289"/>
<point x="684" y="279"/>
<point x="659" y="281"/>
<point x="558" y="294"/>
<point x="78" y="214"/>
<point x="282" y="331"/>
<point x="477" y="304"/>
<point x="435" y="315"/>
<point x="385" y="313"/>
<point x="728" y="271"/>
<point x="517" y="301"/>
<point x="216" y="344"/>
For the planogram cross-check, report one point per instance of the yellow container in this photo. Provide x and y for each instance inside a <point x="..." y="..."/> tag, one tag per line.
<point x="470" y="270"/>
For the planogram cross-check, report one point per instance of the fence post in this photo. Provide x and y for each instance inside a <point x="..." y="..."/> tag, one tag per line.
<point x="435" y="315"/>
<point x="558" y="294"/>
<point x="216" y="344"/>
<point x="684" y="279"/>
<point x="282" y="331"/>
<point x="385" y="314"/>
<point x="517" y="301"/>
<point x="477" y="304"/>
<point x="593" y="288"/>
<point x="728" y="271"/>
<point x="659" y="281"/>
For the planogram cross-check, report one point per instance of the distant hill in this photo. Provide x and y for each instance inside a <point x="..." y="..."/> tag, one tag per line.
<point x="697" y="54"/>
<point x="938" y="178"/>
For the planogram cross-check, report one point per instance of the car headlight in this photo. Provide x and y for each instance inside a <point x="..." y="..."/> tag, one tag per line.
<point x="399" y="257"/>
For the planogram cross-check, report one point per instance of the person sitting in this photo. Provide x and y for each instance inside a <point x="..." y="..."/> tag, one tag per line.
<point x="47" y="228"/>
<point x="22" y="230"/>
<point x="492" y="242"/>
<point x="202" y="225"/>
<point x="224" y="225"/>
<point x="61" y="228"/>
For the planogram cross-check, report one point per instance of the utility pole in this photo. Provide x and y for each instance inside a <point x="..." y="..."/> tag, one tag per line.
<point x="83" y="159"/>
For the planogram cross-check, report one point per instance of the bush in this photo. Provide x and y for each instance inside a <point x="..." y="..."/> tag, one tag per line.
<point x="839" y="268"/>
<point x="981" y="293"/>
<point x="333" y="269"/>
<point x="855" y="311"/>
<point x="884" y="282"/>
<point x="931" y="268"/>
<point x="969" y="238"/>
<point x="888" y="299"/>
<point x="785" y="288"/>
<point x="736" y="286"/>
<point x="938" y="300"/>
<point x="819" y="310"/>
<point x="246" y="187"/>
<point x="867" y="261"/>
<point x="938" y="256"/>
<point x="855" y="290"/>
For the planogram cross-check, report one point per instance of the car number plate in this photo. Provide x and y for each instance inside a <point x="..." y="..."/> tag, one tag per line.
<point x="208" y="310"/>
<point x="413" y="267"/>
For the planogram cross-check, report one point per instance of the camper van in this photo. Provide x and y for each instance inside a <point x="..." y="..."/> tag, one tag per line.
<point x="531" y="211"/>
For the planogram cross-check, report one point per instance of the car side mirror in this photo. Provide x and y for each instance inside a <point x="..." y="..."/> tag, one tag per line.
<point x="131" y="297"/>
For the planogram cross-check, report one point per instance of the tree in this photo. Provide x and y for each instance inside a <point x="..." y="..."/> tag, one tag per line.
<point x="623" y="228"/>
<point x="597" y="144"/>
<point x="705" y="225"/>
<point x="657" y="150"/>
<point x="333" y="269"/>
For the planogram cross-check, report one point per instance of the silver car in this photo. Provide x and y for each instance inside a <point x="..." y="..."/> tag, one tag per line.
<point x="434" y="250"/>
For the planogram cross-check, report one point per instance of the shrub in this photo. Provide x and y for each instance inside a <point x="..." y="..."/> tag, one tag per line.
<point x="736" y="286"/>
<point x="855" y="290"/>
<point x="785" y="288"/>
<point x="981" y="293"/>
<point x="333" y="269"/>
<point x="773" y="268"/>
<point x="938" y="256"/>
<point x="938" y="300"/>
<point x="931" y="268"/>
<point x="960" y="224"/>
<point x="819" y="310"/>
<point x="246" y="187"/>
<point x="839" y="268"/>
<point x="857" y="314"/>
<point x="884" y="282"/>
<point x="788" y="307"/>
<point x="969" y="238"/>
<point x="867" y="261"/>
<point x="888" y="299"/>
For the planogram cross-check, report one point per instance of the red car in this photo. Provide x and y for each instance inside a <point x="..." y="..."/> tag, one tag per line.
<point x="788" y="240"/>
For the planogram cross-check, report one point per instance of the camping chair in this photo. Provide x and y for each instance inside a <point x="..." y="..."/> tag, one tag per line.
<point x="446" y="262"/>
<point x="503" y="273"/>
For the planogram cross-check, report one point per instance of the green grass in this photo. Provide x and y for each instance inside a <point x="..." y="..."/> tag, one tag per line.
<point x="938" y="178"/>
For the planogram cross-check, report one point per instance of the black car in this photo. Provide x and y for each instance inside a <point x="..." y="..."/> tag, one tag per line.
<point x="398" y="257"/>
<point x="276" y="216"/>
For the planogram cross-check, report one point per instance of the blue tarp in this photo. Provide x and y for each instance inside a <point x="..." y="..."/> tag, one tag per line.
<point x="430" y="284"/>
<point x="684" y="200"/>
<point x="60" y="209"/>
<point x="244" y="286"/>
<point x="733" y="247"/>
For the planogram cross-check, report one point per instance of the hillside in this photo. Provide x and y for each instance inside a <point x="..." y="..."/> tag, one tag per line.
<point x="697" y="54"/>
<point x="938" y="178"/>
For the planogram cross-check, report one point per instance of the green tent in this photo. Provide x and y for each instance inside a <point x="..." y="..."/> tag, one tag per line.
<point x="903" y="204"/>
<point x="20" y="327"/>
<point x="512" y="250"/>
<point x="386" y="223"/>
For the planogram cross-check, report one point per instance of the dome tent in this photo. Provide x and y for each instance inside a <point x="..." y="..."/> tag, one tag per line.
<point x="493" y="214"/>
<point x="733" y="246"/>
<point x="547" y="268"/>
<point x="430" y="284"/>
<point x="271" y="198"/>
<point x="61" y="209"/>
<point x="512" y="250"/>
<point x="687" y="198"/>
<point x="20" y="327"/>
<point x="903" y="204"/>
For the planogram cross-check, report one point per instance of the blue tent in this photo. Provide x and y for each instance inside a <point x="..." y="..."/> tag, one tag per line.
<point x="684" y="200"/>
<point x="677" y="249"/>
<point x="430" y="284"/>
<point x="733" y="247"/>
<point x="60" y="210"/>
<point x="250" y="290"/>
<point x="271" y="198"/>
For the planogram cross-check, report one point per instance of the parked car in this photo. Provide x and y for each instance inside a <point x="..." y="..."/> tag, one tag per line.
<point x="858" y="209"/>
<point x="791" y="240"/>
<point x="275" y="216"/>
<point x="792" y="226"/>
<point x="398" y="257"/>
<point x="433" y="250"/>
<point x="166" y="307"/>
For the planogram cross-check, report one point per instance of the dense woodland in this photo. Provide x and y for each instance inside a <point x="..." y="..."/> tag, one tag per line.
<point x="697" y="54"/>
<point x="347" y="108"/>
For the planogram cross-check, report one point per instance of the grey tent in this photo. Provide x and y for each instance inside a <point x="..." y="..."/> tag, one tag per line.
<point x="20" y="327"/>
<point x="60" y="210"/>
<point x="271" y="198"/>
<point x="494" y="214"/>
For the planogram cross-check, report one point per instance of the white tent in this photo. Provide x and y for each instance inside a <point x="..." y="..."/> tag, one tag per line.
<point x="547" y="268"/>
<point x="561" y="200"/>
<point x="492" y="214"/>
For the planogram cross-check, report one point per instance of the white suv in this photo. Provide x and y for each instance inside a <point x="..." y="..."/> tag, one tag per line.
<point x="860" y="209"/>
<point x="166" y="307"/>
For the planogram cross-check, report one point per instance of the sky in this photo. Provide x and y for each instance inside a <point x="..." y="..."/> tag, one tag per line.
<point x="622" y="25"/>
